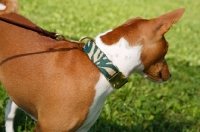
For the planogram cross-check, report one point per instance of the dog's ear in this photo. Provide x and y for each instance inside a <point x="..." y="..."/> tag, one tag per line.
<point x="130" y="21"/>
<point x="165" y="21"/>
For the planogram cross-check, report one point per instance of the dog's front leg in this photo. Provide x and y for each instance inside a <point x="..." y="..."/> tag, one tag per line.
<point x="10" y="111"/>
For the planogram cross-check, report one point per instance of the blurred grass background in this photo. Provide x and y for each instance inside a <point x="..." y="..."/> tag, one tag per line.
<point x="140" y="106"/>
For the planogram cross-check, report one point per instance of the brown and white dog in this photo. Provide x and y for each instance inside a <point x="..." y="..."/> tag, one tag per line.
<point x="58" y="85"/>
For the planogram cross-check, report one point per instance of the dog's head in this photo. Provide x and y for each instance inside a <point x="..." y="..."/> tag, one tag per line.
<point x="155" y="46"/>
<point x="150" y="34"/>
<point x="149" y="60"/>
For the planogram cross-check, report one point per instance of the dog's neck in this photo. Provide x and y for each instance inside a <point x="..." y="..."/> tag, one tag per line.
<point x="124" y="56"/>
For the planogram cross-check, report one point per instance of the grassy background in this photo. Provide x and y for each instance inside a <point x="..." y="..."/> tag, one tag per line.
<point x="140" y="106"/>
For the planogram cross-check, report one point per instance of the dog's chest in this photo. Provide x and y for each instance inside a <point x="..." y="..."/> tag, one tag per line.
<point x="103" y="89"/>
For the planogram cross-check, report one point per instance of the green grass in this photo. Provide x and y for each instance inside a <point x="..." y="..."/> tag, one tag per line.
<point x="140" y="106"/>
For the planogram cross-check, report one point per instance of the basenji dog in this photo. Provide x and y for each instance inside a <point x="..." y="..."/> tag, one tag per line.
<point x="63" y="84"/>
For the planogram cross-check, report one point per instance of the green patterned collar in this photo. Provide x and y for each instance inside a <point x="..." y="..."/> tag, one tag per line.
<point x="107" y="68"/>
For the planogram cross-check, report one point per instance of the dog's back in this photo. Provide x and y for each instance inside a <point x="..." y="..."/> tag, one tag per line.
<point x="8" y="6"/>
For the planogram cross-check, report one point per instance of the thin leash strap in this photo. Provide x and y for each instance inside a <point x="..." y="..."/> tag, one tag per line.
<point x="40" y="31"/>
<point x="35" y="29"/>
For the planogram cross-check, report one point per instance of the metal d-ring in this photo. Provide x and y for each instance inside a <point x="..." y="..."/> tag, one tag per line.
<point x="87" y="37"/>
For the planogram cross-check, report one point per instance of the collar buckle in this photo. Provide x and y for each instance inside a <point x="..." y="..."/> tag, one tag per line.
<point x="118" y="80"/>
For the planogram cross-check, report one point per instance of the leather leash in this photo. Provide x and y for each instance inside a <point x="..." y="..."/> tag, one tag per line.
<point x="43" y="32"/>
<point x="37" y="29"/>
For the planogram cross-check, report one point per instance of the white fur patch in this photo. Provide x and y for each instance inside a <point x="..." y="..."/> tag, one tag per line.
<point x="10" y="114"/>
<point x="124" y="56"/>
<point x="2" y="6"/>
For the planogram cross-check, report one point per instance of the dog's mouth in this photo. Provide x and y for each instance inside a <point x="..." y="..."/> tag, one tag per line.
<point x="159" y="72"/>
<point x="156" y="79"/>
<point x="159" y="80"/>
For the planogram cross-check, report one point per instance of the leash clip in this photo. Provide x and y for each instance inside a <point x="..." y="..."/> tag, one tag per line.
<point x="60" y="37"/>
